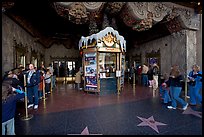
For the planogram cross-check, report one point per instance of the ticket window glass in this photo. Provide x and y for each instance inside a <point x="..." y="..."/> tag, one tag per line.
<point x="107" y="64"/>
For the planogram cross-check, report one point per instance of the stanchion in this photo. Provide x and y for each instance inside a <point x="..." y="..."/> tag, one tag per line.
<point x="118" y="86"/>
<point x="133" y="79"/>
<point x="51" y="84"/>
<point x="186" y="87"/>
<point x="44" y="98"/>
<point x="27" y="116"/>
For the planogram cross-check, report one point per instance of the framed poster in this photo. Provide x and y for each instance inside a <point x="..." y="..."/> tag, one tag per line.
<point x="90" y="71"/>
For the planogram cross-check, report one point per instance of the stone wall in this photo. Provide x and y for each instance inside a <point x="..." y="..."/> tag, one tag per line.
<point x="59" y="51"/>
<point x="14" y="35"/>
<point x="199" y="44"/>
<point x="173" y="50"/>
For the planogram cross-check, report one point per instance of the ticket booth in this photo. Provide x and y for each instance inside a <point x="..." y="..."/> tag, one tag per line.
<point x="103" y="61"/>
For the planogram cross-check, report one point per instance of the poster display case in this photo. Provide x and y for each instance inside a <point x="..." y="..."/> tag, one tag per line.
<point x="103" y="61"/>
<point x="90" y="74"/>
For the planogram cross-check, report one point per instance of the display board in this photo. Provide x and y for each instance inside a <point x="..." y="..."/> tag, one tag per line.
<point x="90" y="71"/>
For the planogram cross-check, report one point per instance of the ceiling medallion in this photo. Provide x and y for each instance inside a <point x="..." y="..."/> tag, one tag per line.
<point x="144" y="24"/>
<point x="78" y="14"/>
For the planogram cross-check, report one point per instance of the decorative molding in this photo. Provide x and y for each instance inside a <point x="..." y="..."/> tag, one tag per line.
<point x="135" y="13"/>
<point x="65" y="4"/>
<point x="114" y="7"/>
<point x="174" y="25"/>
<point x="138" y="10"/>
<point x="93" y="6"/>
<point x="159" y="10"/>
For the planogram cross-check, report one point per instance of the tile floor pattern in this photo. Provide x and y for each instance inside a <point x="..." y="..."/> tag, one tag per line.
<point x="67" y="112"/>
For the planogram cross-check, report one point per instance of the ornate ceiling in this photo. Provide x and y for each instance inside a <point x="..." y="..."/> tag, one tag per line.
<point x="141" y="21"/>
<point x="140" y="16"/>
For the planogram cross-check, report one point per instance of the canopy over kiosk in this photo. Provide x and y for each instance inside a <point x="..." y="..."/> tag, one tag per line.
<point x="103" y="61"/>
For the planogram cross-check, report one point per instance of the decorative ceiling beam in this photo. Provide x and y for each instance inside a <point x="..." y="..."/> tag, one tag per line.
<point x="137" y="14"/>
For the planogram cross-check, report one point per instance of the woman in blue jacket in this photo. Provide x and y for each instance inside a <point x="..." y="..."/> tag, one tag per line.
<point x="175" y="88"/>
<point x="195" y="84"/>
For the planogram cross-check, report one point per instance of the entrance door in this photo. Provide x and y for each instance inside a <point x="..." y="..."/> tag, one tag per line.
<point x="64" y="69"/>
<point x="71" y="68"/>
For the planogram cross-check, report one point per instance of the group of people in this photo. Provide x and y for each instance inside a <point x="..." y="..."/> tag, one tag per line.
<point x="13" y="86"/>
<point x="147" y="76"/>
<point x="171" y="88"/>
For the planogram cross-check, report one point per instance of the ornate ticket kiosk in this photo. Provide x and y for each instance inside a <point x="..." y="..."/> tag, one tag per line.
<point x="103" y="61"/>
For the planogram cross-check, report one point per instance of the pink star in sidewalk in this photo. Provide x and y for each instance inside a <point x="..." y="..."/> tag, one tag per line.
<point x="191" y="111"/>
<point x="85" y="131"/>
<point x="151" y="123"/>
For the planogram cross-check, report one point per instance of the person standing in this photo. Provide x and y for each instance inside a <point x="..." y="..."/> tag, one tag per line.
<point x="9" y="100"/>
<point x="175" y="88"/>
<point x="53" y="79"/>
<point x="78" y="79"/>
<point x="195" y="84"/>
<point x="155" y="75"/>
<point x="32" y="87"/>
<point x="150" y="76"/>
<point x="47" y="82"/>
<point x="40" y="87"/>
<point x="144" y="75"/>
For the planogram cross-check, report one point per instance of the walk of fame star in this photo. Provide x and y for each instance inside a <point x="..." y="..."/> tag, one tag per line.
<point x="85" y="132"/>
<point x="193" y="112"/>
<point x="151" y="123"/>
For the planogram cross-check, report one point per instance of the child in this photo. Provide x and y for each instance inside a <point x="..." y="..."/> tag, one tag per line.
<point x="9" y="99"/>
<point x="164" y="91"/>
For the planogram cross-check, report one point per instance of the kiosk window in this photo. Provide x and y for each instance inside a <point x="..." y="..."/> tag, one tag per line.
<point x="107" y="64"/>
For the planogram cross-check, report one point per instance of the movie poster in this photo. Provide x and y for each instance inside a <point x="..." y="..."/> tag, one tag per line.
<point x="90" y="71"/>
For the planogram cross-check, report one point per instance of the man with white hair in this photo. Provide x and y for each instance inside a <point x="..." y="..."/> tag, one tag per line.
<point x="32" y="86"/>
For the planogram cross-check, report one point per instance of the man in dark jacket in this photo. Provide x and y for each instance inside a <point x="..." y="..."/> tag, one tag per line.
<point x="32" y="86"/>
